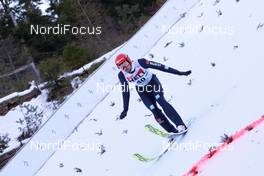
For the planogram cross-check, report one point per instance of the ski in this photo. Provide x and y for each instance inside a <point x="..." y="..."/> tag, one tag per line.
<point x="160" y="133"/>
<point x="172" y="139"/>
<point x="156" y="131"/>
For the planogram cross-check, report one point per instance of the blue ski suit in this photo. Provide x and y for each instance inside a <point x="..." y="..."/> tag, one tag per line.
<point x="150" y="91"/>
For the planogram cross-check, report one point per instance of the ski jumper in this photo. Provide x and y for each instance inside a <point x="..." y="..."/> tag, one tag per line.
<point x="150" y="91"/>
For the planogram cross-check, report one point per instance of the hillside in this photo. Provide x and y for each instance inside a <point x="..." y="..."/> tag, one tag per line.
<point x="220" y="41"/>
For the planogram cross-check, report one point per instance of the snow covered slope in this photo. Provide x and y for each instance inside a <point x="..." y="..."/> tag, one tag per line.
<point x="245" y="158"/>
<point x="240" y="149"/>
<point x="221" y="41"/>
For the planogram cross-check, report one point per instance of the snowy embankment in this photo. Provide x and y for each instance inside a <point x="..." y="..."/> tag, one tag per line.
<point x="9" y="123"/>
<point x="19" y="94"/>
<point x="221" y="41"/>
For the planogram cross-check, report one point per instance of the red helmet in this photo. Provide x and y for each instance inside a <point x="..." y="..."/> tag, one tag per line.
<point x="120" y="58"/>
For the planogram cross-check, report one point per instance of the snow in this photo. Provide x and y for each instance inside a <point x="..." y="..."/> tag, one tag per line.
<point x="225" y="146"/>
<point x="8" y="122"/>
<point x="245" y="160"/>
<point x="224" y="94"/>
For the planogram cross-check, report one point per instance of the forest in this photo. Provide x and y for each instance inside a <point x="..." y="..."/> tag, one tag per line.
<point x="101" y="26"/>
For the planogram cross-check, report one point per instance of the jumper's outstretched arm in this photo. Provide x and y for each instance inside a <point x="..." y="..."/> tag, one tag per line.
<point x="158" y="66"/>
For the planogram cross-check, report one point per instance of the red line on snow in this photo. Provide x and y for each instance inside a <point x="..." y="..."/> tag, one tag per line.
<point x="197" y="167"/>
